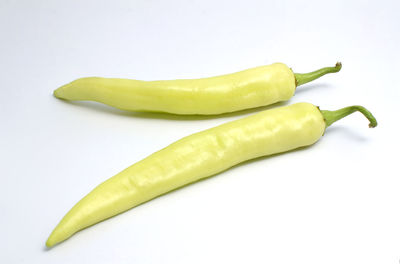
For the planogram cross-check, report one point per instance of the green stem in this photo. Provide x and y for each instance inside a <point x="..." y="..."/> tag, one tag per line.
<point x="331" y="117"/>
<point x="302" y="78"/>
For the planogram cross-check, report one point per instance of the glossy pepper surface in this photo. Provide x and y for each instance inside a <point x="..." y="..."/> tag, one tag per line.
<point x="250" y="88"/>
<point x="199" y="156"/>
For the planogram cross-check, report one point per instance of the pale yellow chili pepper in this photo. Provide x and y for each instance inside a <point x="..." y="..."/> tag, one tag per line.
<point x="199" y="156"/>
<point x="250" y="88"/>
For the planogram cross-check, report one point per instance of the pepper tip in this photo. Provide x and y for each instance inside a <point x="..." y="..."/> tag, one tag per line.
<point x="338" y="66"/>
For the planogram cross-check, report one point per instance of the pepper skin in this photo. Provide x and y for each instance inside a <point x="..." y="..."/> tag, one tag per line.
<point x="250" y="88"/>
<point x="199" y="156"/>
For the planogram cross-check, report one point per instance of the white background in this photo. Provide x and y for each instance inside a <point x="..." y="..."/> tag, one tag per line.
<point x="335" y="202"/>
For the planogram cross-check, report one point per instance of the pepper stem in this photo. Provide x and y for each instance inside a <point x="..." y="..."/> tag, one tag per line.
<point x="302" y="78"/>
<point x="331" y="117"/>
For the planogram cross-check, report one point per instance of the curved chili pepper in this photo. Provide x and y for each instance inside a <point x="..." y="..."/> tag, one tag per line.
<point x="199" y="156"/>
<point x="250" y="88"/>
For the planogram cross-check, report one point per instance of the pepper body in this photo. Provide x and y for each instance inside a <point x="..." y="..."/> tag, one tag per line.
<point x="250" y="88"/>
<point x="193" y="158"/>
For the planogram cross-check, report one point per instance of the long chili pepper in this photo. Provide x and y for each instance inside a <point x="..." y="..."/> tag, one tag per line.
<point x="199" y="156"/>
<point x="250" y="88"/>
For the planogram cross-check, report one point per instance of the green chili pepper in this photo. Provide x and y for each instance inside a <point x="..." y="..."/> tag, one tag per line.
<point x="250" y="88"/>
<point x="199" y="156"/>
